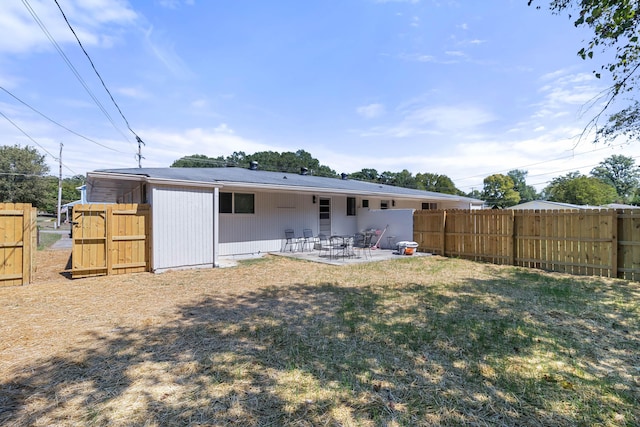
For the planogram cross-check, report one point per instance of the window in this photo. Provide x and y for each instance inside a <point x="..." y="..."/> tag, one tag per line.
<point x="429" y="206"/>
<point x="351" y="206"/>
<point x="384" y="204"/>
<point x="365" y="203"/>
<point x="226" y="202"/>
<point x="244" y="203"/>
<point x="240" y="203"/>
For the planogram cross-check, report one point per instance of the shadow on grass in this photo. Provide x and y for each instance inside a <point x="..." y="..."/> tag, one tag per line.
<point x="518" y="349"/>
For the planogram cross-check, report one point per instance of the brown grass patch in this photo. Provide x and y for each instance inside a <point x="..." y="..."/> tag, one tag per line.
<point x="420" y="341"/>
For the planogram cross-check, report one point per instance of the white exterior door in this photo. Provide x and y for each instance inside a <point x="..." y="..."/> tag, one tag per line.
<point x="325" y="216"/>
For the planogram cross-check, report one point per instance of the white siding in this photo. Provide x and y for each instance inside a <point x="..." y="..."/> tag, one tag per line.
<point x="399" y="221"/>
<point x="264" y="230"/>
<point x="182" y="227"/>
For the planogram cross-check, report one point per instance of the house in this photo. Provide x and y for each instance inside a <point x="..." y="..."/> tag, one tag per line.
<point x="546" y="204"/>
<point x="202" y="214"/>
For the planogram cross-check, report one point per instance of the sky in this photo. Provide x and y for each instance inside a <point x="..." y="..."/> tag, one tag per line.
<point x="461" y="88"/>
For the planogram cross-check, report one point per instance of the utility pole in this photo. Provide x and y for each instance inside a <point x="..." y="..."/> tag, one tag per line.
<point x="139" y="155"/>
<point x="59" y="185"/>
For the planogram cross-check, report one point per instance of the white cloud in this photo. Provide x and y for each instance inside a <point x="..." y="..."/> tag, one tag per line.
<point x="96" y="23"/>
<point x="133" y="92"/>
<point x="371" y="111"/>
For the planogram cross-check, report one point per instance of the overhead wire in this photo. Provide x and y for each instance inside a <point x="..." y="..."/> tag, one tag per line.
<point x="37" y="143"/>
<point x="75" y="72"/>
<point x="58" y="124"/>
<point x="96" y="70"/>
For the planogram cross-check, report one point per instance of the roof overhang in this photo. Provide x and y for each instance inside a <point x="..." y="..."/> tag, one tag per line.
<point x="109" y="178"/>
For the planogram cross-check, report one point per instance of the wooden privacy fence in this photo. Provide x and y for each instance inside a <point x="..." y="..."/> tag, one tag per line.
<point x="18" y="240"/>
<point x="586" y="242"/>
<point x="110" y="239"/>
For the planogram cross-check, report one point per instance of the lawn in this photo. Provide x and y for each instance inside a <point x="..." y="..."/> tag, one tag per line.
<point x="282" y="342"/>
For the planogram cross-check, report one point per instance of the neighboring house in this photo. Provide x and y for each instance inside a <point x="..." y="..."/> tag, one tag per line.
<point x="83" y="199"/>
<point x="201" y="214"/>
<point x="545" y="204"/>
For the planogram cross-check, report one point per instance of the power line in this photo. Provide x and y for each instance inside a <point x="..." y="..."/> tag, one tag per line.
<point x="138" y="139"/>
<point x="34" y="141"/>
<point x="75" y="72"/>
<point x="56" y="123"/>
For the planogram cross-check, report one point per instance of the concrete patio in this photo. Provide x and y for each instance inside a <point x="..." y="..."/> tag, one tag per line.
<point x="375" y="255"/>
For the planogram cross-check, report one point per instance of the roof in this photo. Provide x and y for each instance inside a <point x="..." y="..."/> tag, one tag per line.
<point x="546" y="204"/>
<point x="241" y="177"/>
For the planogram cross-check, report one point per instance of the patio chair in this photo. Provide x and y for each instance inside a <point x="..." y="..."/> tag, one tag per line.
<point x="290" y="240"/>
<point x="307" y="238"/>
<point x="362" y="243"/>
<point x="323" y="245"/>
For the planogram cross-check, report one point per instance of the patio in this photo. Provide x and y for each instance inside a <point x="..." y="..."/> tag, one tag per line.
<point x="376" y="255"/>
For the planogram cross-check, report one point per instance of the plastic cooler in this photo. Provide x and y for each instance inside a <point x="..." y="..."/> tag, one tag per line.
<point x="406" y="248"/>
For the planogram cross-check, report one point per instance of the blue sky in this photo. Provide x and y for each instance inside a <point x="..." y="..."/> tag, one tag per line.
<point x="461" y="88"/>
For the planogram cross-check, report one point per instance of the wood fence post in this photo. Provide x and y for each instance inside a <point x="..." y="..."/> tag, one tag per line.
<point x="442" y="232"/>
<point x="614" y="243"/>
<point x="512" y="261"/>
<point x="108" y="244"/>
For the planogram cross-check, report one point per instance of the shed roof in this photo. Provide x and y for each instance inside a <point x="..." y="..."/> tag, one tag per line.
<point x="240" y="177"/>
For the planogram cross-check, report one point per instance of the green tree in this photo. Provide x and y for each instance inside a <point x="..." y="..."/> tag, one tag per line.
<point x="199" y="161"/>
<point x="49" y="201"/>
<point x="620" y="172"/>
<point x="580" y="190"/>
<point x="365" y="174"/>
<point x="267" y="160"/>
<point x="498" y="191"/>
<point x="615" y="26"/>
<point x="22" y="172"/>
<point x="436" y="182"/>
<point x="527" y="192"/>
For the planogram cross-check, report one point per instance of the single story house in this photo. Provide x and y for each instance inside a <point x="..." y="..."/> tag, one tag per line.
<point x="202" y="214"/>
<point x="546" y="204"/>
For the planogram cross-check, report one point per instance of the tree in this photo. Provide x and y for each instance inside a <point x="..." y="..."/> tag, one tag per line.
<point x="49" y="202"/>
<point x="527" y="192"/>
<point x="621" y="173"/>
<point x="267" y="160"/>
<point x="22" y="173"/>
<point x="437" y="183"/>
<point x="498" y="191"/>
<point x="615" y="25"/>
<point x="199" y="161"/>
<point x="365" y="174"/>
<point x="580" y="190"/>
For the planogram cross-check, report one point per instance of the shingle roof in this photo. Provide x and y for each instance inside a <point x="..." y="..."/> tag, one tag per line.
<point x="241" y="176"/>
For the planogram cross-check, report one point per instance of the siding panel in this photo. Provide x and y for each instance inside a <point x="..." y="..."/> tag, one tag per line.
<point x="182" y="227"/>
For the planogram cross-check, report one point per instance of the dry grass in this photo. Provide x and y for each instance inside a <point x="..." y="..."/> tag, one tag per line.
<point x="275" y="341"/>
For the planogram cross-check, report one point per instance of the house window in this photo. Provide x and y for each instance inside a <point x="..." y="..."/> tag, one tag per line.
<point x="240" y="203"/>
<point x="384" y="204"/>
<point x="429" y="206"/>
<point x="365" y="203"/>
<point x="244" y="203"/>
<point x="351" y="206"/>
<point x="226" y="203"/>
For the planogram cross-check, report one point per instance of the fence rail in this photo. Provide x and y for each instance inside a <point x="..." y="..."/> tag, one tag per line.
<point x="584" y="242"/>
<point x="110" y="239"/>
<point x="18" y="240"/>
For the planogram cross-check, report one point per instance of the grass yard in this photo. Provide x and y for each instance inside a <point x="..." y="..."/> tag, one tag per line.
<point x="282" y="342"/>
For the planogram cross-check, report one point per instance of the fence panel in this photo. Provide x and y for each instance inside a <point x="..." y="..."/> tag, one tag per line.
<point x="629" y="244"/>
<point x="480" y="235"/>
<point x="17" y="242"/>
<point x="110" y="239"/>
<point x="583" y="242"/>
<point x="428" y="230"/>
